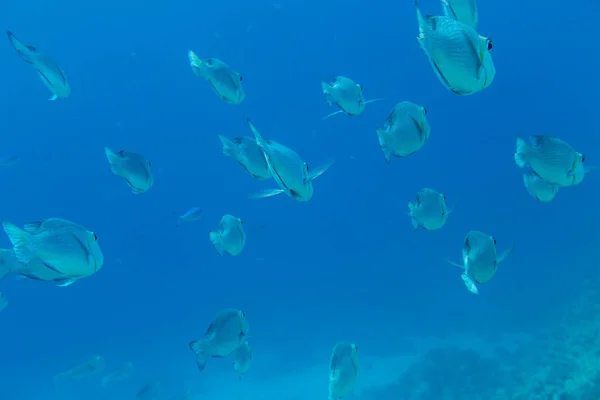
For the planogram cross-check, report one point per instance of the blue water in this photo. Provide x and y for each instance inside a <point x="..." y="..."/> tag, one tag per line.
<point x="344" y="266"/>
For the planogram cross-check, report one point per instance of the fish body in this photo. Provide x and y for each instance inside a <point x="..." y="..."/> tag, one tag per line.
<point x="225" y="334"/>
<point x="343" y="370"/>
<point x="552" y="159"/>
<point x="67" y="249"/>
<point x="121" y="373"/>
<point x="49" y="72"/>
<point x="92" y="366"/>
<point x="224" y="80"/>
<point x="464" y="11"/>
<point x="538" y="188"/>
<point x="429" y="210"/>
<point x="405" y="131"/>
<point x="133" y="168"/>
<point x="230" y="238"/>
<point x="248" y="155"/>
<point x="460" y="57"/>
<point x="242" y="358"/>
<point x="346" y="94"/>
<point x="193" y="214"/>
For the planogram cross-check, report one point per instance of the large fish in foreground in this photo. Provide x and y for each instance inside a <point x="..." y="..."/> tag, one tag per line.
<point x="49" y="72"/>
<point x="248" y="155"/>
<point x="460" y="57"/>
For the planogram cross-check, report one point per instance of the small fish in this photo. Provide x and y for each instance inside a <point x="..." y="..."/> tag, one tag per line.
<point x="132" y="167"/>
<point x="3" y="301"/>
<point x="460" y="57"/>
<point x="405" y="131"/>
<point x="287" y="168"/>
<point x="480" y="259"/>
<point x="193" y="214"/>
<point x="429" y="210"/>
<point x="343" y="370"/>
<point x="230" y="237"/>
<point x="66" y="248"/>
<point x="464" y="11"/>
<point x="226" y="82"/>
<point x="538" y="188"/>
<point x="9" y="161"/>
<point x="151" y="391"/>
<point x="242" y="359"/>
<point x="49" y="72"/>
<point x="551" y="159"/>
<point x="119" y="374"/>
<point x="225" y="334"/>
<point x="92" y="366"/>
<point x="346" y="94"/>
<point x="248" y="154"/>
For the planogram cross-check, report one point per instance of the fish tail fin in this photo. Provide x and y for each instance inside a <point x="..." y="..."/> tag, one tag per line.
<point x="520" y="153"/>
<point x="387" y="152"/>
<point x="198" y="347"/>
<point x="21" y="242"/>
<point x="27" y="53"/>
<point x="326" y="92"/>
<point x="228" y="147"/>
<point x="114" y="160"/>
<point x="215" y="239"/>
<point x="8" y="263"/>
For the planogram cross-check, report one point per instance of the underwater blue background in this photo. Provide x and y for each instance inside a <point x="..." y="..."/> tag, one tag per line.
<point x="344" y="266"/>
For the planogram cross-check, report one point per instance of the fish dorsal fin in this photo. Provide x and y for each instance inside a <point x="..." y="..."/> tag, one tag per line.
<point x="33" y="227"/>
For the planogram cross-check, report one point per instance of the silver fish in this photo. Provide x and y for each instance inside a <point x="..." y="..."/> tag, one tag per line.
<point x="461" y="58"/>
<point x="480" y="260"/>
<point x="538" y="188"/>
<point x="346" y="94"/>
<point x="429" y="210"/>
<point x="287" y="168"/>
<point x="3" y="301"/>
<point x="49" y="72"/>
<point x="464" y="11"/>
<point x="242" y="359"/>
<point x="61" y="245"/>
<point x="92" y="366"/>
<point x="193" y="214"/>
<point x="226" y="82"/>
<point x="34" y="269"/>
<point x="230" y="238"/>
<point x="405" y="131"/>
<point x="248" y="154"/>
<point x="132" y="167"/>
<point x="224" y="335"/>
<point x="551" y="159"/>
<point x="119" y="374"/>
<point x="343" y="370"/>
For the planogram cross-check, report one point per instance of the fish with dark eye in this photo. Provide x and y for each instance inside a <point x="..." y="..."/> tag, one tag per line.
<point x="67" y="249"/>
<point x="248" y="155"/>
<point x="133" y="168"/>
<point x="347" y="95"/>
<point x="538" y="188"/>
<point x="343" y="370"/>
<point x="91" y="367"/>
<point x="242" y="359"/>
<point x="225" y="334"/>
<point x="480" y="259"/>
<point x="464" y="11"/>
<point x="460" y="57"/>
<point x="289" y="171"/>
<point x="224" y="80"/>
<point x="405" y="131"/>
<point x="48" y="70"/>
<point x="429" y="210"/>
<point x="230" y="238"/>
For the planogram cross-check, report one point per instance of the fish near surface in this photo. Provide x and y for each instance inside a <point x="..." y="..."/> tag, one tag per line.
<point x="242" y="358"/>
<point x="230" y="238"/>
<point x="480" y="259"/>
<point x="343" y="370"/>
<point x="464" y="11"/>
<point x="49" y="72"/>
<point x="90" y="367"/>
<point x="224" y="80"/>
<point x="289" y="171"/>
<point x="429" y="210"/>
<point x="226" y="333"/>
<point x="346" y="94"/>
<point x="133" y="168"/>
<point x="460" y="57"/>
<point x="405" y="132"/>
<point x="538" y="188"/>
<point x="248" y="155"/>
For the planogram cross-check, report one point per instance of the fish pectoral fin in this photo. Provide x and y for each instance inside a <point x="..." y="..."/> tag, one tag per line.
<point x="373" y="100"/>
<point x="505" y="254"/>
<point x="455" y="264"/>
<point x="267" y="193"/>
<point x="65" y="282"/>
<point x="317" y="172"/>
<point x="53" y="97"/>
<point x="469" y="283"/>
<point x="332" y="114"/>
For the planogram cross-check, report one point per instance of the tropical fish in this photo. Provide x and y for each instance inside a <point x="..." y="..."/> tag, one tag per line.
<point x="346" y="94"/>
<point x="132" y="167"/>
<point x="343" y="370"/>
<point x="90" y="367"/>
<point x="230" y="237"/>
<point x="225" y="81"/>
<point x="429" y="210"/>
<point x="405" y="131"/>
<point x="464" y="11"/>
<point x="242" y="358"/>
<point x="538" y="188"/>
<point x="193" y="214"/>
<point x="248" y="154"/>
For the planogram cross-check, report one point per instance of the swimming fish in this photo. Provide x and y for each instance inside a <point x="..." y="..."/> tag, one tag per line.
<point x="405" y="131"/>
<point x="343" y="370"/>
<point x="35" y="269"/>
<point x="538" y="188"/>
<point x="60" y="245"/>
<point x="90" y="367"/>
<point x="287" y="168"/>
<point x="226" y="82"/>
<point x="248" y="154"/>
<point x="193" y="214"/>
<point x="429" y="210"/>
<point x="346" y="94"/>
<point x="49" y="72"/>
<point x="226" y="333"/>
<point x="120" y="373"/>
<point x="230" y="237"/>
<point x="480" y="260"/>
<point x="464" y="11"/>
<point x="242" y="358"/>
<point x="551" y="159"/>
<point x="461" y="58"/>
<point x="132" y="167"/>
<point x="3" y="301"/>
